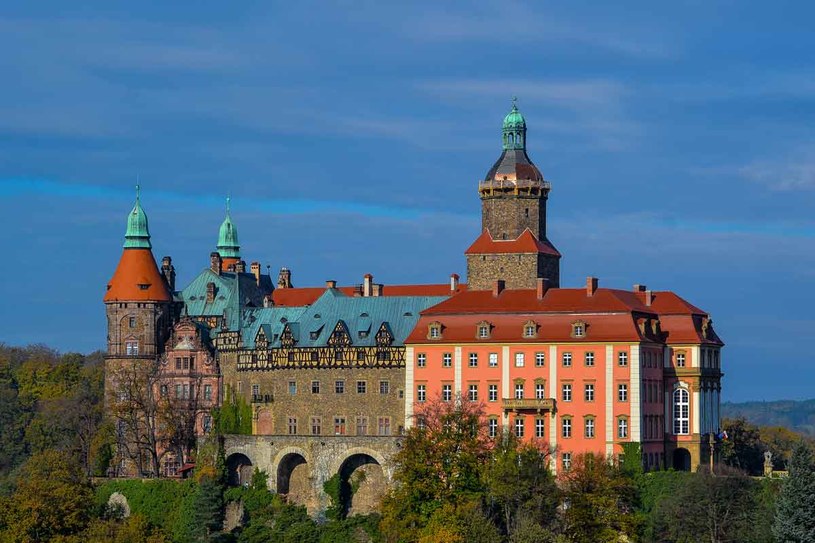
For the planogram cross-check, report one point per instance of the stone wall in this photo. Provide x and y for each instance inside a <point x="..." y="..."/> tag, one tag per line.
<point x="507" y="216"/>
<point x="516" y="270"/>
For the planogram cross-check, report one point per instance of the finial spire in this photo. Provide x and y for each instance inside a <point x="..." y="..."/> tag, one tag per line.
<point x="138" y="189"/>
<point x="228" y="199"/>
<point x="514" y="102"/>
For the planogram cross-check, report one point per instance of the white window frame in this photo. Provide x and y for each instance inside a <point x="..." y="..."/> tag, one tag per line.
<point x="446" y="360"/>
<point x="622" y="358"/>
<point x="446" y="393"/>
<point x="540" y="391"/>
<point x="566" y="392"/>
<point x="472" y="393"/>
<point x="493" y="360"/>
<point x="680" y="403"/>
<point x="492" y="393"/>
<point x="421" y="393"/>
<point x="622" y="392"/>
<point x="519" y="391"/>
<point x="540" y="359"/>
<point x="473" y="360"/>
<point x="421" y="360"/>
<point x="566" y="358"/>
<point x="519" y="360"/>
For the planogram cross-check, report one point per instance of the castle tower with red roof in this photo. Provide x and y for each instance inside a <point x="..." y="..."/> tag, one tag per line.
<point x="513" y="246"/>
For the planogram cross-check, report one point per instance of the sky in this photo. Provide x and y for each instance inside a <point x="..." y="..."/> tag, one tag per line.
<point x="678" y="138"/>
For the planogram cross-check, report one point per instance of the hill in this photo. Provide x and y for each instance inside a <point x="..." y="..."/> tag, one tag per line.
<point x="798" y="416"/>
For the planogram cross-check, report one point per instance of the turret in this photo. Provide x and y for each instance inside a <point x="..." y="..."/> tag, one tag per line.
<point x="228" y="246"/>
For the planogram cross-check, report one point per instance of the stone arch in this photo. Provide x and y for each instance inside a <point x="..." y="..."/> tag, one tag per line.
<point x="681" y="459"/>
<point x="239" y="469"/>
<point x="362" y="481"/>
<point x="292" y="473"/>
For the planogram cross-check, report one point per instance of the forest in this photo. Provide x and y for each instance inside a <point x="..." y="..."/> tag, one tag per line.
<point x="452" y="482"/>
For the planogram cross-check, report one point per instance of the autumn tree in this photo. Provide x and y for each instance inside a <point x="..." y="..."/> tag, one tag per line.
<point x="795" y="508"/>
<point x="743" y="448"/>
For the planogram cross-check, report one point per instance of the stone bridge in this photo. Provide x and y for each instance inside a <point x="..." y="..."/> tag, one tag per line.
<point x="298" y="466"/>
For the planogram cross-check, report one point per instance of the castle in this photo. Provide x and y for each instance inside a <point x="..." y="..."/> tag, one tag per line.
<point x="329" y="377"/>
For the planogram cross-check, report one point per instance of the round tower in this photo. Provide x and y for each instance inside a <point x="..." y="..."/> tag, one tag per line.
<point x="228" y="246"/>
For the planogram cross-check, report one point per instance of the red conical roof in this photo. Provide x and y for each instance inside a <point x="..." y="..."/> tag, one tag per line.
<point x="137" y="278"/>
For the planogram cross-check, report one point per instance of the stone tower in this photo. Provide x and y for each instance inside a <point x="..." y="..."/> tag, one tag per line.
<point x="513" y="246"/>
<point x="138" y="300"/>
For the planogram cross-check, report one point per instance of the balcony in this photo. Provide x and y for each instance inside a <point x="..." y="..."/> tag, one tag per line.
<point x="529" y="404"/>
<point x="513" y="185"/>
<point x="262" y="398"/>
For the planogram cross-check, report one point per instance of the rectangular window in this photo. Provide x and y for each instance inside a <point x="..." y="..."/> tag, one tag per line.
<point x="622" y="428"/>
<point x="339" y="426"/>
<point x="207" y="392"/>
<point x="622" y="358"/>
<point x="255" y="391"/>
<point x="567" y="461"/>
<point x="519" y="427"/>
<point x="566" y="393"/>
<point x="315" y="387"/>
<point x="566" y="427"/>
<point x="435" y="332"/>
<point x="186" y="360"/>
<point x="473" y="360"/>
<point x="132" y="348"/>
<point x="192" y="362"/>
<point x="362" y="426"/>
<point x="493" y="393"/>
<point x="567" y="360"/>
<point x="519" y="391"/>
<point x="519" y="360"/>
<point x="492" y="427"/>
<point x="421" y="360"/>
<point x="384" y="387"/>
<point x="316" y="426"/>
<point x="178" y="363"/>
<point x="540" y="393"/>
<point x="178" y="391"/>
<point x="483" y="331"/>
<point x="292" y="426"/>
<point x="540" y="429"/>
<point x="339" y="387"/>
<point x="292" y="387"/>
<point x="446" y="392"/>
<point x="472" y="393"/>
<point x="680" y="360"/>
<point x="384" y="426"/>
<point x="493" y="360"/>
<point x="421" y="393"/>
<point x="362" y="387"/>
<point x="540" y="360"/>
<point x="446" y="360"/>
<point x="132" y="322"/>
<point x="589" y="359"/>
<point x="622" y="393"/>
<point x="163" y="391"/>
<point x="588" y="393"/>
<point x="589" y="428"/>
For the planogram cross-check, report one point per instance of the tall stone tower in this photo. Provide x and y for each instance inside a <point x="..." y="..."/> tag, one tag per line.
<point x="513" y="246"/>
<point x="138" y="301"/>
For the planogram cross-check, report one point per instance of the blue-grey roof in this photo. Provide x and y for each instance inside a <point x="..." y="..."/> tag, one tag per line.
<point x="249" y="293"/>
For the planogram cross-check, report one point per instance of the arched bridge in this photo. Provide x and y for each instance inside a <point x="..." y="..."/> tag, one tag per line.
<point x="298" y="466"/>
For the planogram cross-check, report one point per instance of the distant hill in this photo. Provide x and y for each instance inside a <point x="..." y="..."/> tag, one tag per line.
<point x="798" y="416"/>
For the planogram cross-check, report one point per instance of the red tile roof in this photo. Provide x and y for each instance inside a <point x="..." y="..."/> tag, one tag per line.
<point x="525" y="243"/>
<point x="137" y="268"/>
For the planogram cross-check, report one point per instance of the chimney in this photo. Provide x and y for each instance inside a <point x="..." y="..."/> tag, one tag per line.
<point x="367" y="282"/>
<point x="169" y="272"/>
<point x="215" y="263"/>
<point x="543" y="286"/>
<point x="453" y="282"/>
<point x="358" y="291"/>
<point x="284" y="278"/>
<point x="330" y="284"/>
<point x="210" y="292"/>
<point x="639" y="288"/>
<point x="255" y="269"/>
<point x="240" y="266"/>
<point x="267" y="301"/>
<point x="497" y="287"/>
<point x="376" y="289"/>
<point x="649" y="297"/>
<point x="591" y="285"/>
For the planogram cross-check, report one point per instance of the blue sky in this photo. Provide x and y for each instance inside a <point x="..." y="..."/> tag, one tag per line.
<point x="678" y="139"/>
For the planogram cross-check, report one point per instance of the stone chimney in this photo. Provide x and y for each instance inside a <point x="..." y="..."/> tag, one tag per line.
<point x="367" y="284"/>
<point x="255" y="269"/>
<point x="168" y="271"/>
<point x="376" y="289"/>
<point x="498" y="287"/>
<point x="284" y="278"/>
<point x="330" y="284"/>
<point x="639" y="288"/>
<point x="543" y="286"/>
<point x="649" y="297"/>
<point x="215" y="263"/>
<point x="453" y="282"/>
<point x="591" y="285"/>
<point x="240" y="266"/>
<point x="210" y="292"/>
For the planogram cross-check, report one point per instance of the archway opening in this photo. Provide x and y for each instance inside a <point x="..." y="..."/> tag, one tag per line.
<point x="292" y="478"/>
<point x="362" y="485"/>
<point x="239" y="470"/>
<point x="681" y="460"/>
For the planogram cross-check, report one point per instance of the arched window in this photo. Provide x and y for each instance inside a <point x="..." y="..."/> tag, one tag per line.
<point x="681" y="411"/>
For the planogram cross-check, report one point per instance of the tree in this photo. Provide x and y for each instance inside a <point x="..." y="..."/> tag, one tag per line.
<point x="53" y="498"/>
<point x="209" y="508"/>
<point x="743" y="448"/>
<point x="795" y="508"/>
<point x="600" y="501"/>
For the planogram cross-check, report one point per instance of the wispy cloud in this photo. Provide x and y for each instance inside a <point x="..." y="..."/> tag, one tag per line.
<point x="792" y="170"/>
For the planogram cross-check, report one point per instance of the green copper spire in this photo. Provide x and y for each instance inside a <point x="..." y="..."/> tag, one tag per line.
<point x="514" y="131"/>
<point x="137" y="235"/>
<point x="228" y="245"/>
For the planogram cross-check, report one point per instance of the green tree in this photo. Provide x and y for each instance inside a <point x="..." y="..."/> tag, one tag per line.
<point x="53" y="498"/>
<point x="743" y="448"/>
<point x="209" y="508"/>
<point x="795" y="508"/>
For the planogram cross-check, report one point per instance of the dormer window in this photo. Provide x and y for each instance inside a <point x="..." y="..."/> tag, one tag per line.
<point x="530" y="329"/>
<point x="578" y="329"/>
<point x="142" y="286"/>
<point x="363" y="334"/>
<point x="482" y="330"/>
<point x="434" y="330"/>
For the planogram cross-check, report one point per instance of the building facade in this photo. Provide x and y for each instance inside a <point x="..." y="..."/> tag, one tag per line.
<point x="585" y="369"/>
